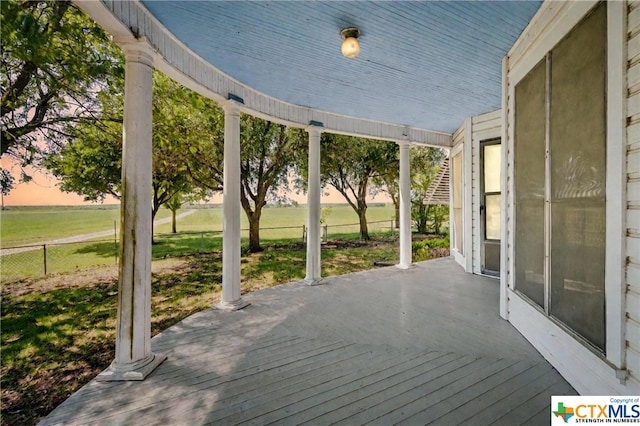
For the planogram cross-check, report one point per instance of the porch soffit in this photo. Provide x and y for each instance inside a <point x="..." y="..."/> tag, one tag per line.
<point x="423" y="65"/>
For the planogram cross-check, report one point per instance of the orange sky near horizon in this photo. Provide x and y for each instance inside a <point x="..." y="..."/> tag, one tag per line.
<point x="43" y="191"/>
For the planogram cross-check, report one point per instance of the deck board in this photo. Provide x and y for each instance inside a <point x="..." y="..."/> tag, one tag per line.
<point x="388" y="346"/>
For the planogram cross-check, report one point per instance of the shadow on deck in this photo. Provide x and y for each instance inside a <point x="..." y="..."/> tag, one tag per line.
<point x="386" y="346"/>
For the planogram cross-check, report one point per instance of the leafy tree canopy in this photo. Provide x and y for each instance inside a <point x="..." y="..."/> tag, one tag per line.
<point x="55" y="61"/>
<point x="6" y="181"/>
<point x="90" y="164"/>
<point x="351" y="164"/>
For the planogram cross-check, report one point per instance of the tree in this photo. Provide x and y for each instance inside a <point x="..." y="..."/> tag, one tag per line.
<point x="90" y="164"/>
<point x="388" y="181"/>
<point x="425" y="164"/>
<point x="267" y="156"/>
<point x="174" y="204"/>
<point x="350" y="164"/>
<point x="55" y="61"/>
<point x="6" y="183"/>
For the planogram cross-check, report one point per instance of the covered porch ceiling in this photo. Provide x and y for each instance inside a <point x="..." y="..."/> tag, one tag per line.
<point x="423" y="65"/>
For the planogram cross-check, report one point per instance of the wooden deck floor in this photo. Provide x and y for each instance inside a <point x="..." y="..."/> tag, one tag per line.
<point x="386" y="346"/>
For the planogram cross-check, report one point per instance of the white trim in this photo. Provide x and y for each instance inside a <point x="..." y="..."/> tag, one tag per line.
<point x="616" y="183"/>
<point x="547" y="184"/>
<point x="177" y="61"/>
<point x="550" y="24"/>
<point x="467" y="208"/>
<point x="509" y="130"/>
<point x="587" y="372"/>
<point x="476" y="201"/>
<point x="485" y="127"/>
<point x="459" y="258"/>
<point x="504" y="294"/>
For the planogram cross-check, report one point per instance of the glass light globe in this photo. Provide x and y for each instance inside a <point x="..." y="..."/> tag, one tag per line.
<point x="350" y="47"/>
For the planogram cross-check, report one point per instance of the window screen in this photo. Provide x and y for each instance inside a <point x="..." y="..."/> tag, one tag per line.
<point x="529" y="181"/>
<point x="576" y="178"/>
<point x="578" y="163"/>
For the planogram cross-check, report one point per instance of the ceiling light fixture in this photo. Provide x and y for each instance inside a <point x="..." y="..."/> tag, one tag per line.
<point x="350" y="45"/>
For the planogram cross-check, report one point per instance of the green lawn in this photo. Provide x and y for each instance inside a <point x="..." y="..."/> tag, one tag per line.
<point x="32" y="225"/>
<point x="210" y="219"/>
<point x="199" y="232"/>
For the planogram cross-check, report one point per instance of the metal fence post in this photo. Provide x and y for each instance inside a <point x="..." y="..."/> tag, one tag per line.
<point x="304" y="234"/>
<point x="44" y="253"/>
<point x="326" y="233"/>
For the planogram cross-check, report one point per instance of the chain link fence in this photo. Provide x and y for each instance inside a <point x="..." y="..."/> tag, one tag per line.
<point x="43" y="259"/>
<point x="37" y="260"/>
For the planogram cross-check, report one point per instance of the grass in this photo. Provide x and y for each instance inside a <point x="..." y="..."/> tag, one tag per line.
<point x="59" y="258"/>
<point x="58" y="332"/>
<point x="32" y="225"/>
<point x="200" y="232"/>
<point x="210" y="219"/>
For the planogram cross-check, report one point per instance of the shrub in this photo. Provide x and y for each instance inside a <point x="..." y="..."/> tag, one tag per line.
<point x="426" y="249"/>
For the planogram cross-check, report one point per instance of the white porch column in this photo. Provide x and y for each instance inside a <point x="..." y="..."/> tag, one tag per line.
<point x="134" y="359"/>
<point x="313" y="208"/>
<point x="405" y="207"/>
<point x="231" y="212"/>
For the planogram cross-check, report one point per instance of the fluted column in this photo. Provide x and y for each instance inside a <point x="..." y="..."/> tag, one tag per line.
<point x="313" y="208"/>
<point x="405" y="207"/>
<point x="134" y="359"/>
<point x="231" y="248"/>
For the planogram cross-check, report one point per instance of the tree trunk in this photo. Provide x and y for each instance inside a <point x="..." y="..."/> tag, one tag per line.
<point x="423" y="215"/>
<point x="154" y="211"/>
<point x="174" y="228"/>
<point x="254" y="233"/>
<point x="437" y="219"/>
<point x="396" y="205"/>
<point x="364" y="230"/>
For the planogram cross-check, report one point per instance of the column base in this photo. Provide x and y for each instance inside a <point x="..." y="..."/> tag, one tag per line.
<point x="313" y="281"/>
<point x="134" y="371"/>
<point x="236" y="305"/>
<point x="405" y="266"/>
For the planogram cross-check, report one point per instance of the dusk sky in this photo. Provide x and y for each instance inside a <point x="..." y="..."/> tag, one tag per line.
<point x="43" y="191"/>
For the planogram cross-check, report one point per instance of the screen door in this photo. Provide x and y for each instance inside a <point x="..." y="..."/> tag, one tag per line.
<point x="491" y="160"/>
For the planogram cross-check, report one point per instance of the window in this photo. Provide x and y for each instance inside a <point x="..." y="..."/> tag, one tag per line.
<point x="529" y="183"/>
<point x="562" y="195"/>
